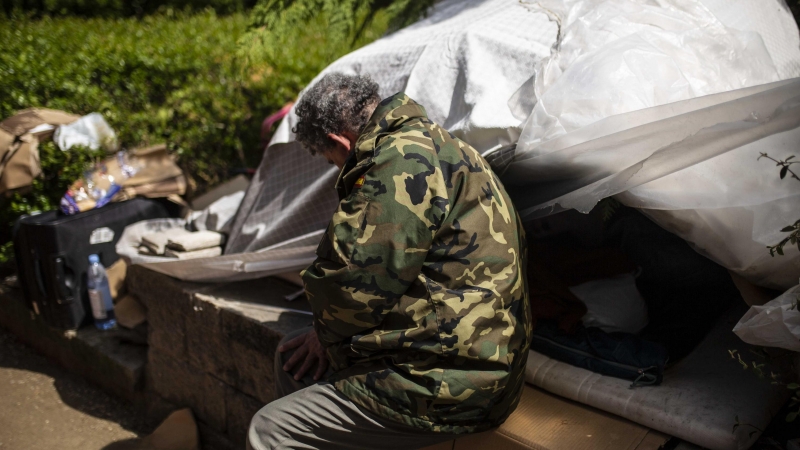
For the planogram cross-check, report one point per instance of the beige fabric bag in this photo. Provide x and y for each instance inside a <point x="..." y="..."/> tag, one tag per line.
<point x="19" y="148"/>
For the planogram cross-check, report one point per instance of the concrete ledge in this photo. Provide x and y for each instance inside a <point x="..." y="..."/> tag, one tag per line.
<point x="107" y="359"/>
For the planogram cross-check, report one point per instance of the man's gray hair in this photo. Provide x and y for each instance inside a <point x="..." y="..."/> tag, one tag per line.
<point x="335" y="104"/>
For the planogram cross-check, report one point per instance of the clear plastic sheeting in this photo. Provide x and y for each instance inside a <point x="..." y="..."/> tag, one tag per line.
<point x="691" y="167"/>
<point x="616" y="56"/>
<point x="626" y="151"/>
<point x="663" y="105"/>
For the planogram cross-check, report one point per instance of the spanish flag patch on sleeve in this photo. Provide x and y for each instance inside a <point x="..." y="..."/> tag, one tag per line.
<point x="359" y="182"/>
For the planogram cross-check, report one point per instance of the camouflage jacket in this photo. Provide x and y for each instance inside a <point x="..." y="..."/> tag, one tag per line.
<point x="419" y="290"/>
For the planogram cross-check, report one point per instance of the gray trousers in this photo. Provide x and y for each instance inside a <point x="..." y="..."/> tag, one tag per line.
<point x="314" y="415"/>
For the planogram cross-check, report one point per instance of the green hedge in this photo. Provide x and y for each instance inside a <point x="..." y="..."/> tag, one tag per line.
<point x="119" y="8"/>
<point x="190" y="80"/>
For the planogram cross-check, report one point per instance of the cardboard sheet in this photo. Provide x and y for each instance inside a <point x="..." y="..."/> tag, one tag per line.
<point x="544" y="421"/>
<point x="130" y="313"/>
<point x="116" y="278"/>
<point x="177" y="432"/>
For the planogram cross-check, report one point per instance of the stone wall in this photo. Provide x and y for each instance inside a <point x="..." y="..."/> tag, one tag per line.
<point x="211" y="347"/>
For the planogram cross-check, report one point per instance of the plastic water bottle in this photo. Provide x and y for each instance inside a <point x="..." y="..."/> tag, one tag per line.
<point x="100" y="295"/>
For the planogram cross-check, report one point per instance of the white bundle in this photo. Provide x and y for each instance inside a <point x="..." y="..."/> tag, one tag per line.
<point x="195" y="241"/>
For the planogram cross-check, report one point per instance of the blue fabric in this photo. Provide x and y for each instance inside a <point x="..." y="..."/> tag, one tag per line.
<point x="601" y="352"/>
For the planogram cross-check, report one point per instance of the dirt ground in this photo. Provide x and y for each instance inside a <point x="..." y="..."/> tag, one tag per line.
<point x="43" y="407"/>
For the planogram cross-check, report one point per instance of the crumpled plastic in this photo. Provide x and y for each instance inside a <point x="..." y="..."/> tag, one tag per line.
<point x="100" y="184"/>
<point x="775" y="324"/>
<point x="617" y="56"/>
<point x="89" y="131"/>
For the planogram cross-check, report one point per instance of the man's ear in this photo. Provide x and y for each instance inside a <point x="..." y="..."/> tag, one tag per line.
<point x="341" y="141"/>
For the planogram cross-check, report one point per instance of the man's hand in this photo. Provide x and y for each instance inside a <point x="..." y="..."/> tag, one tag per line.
<point x="308" y="350"/>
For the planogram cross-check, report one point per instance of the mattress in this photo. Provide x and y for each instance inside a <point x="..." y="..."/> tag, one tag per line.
<point x="699" y="400"/>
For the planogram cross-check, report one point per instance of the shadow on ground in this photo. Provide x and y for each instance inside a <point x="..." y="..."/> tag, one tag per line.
<point x="47" y="407"/>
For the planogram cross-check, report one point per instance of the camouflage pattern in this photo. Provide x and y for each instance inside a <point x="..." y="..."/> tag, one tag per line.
<point x="418" y="291"/>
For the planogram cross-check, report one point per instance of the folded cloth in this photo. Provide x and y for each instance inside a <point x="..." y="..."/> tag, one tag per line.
<point x="195" y="241"/>
<point x="202" y="253"/>
<point x="157" y="242"/>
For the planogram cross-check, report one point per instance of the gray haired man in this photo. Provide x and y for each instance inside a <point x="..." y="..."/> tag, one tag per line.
<point x="421" y="316"/>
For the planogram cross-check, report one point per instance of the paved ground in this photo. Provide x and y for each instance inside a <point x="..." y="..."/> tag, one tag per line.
<point x="44" y="407"/>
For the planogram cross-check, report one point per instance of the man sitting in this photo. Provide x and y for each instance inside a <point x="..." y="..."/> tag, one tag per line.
<point x="419" y="294"/>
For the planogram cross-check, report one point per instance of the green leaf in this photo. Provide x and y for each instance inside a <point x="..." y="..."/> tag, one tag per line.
<point x="793" y="386"/>
<point x="784" y="170"/>
<point x="787" y="159"/>
<point x="791" y="416"/>
<point x="779" y="250"/>
<point x="787" y="229"/>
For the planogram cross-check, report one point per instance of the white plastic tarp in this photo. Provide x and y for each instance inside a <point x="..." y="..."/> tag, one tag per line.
<point x="463" y="62"/>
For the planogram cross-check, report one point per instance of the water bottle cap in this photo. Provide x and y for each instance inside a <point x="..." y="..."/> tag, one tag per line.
<point x="93" y="259"/>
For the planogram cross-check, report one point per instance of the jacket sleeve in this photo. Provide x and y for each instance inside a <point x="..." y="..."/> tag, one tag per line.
<point x="372" y="250"/>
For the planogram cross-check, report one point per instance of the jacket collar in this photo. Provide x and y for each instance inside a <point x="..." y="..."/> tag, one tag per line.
<point x="390" y="115"/>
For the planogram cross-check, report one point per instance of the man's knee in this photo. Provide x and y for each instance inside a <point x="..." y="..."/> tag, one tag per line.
<point x="265" y="433"/>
